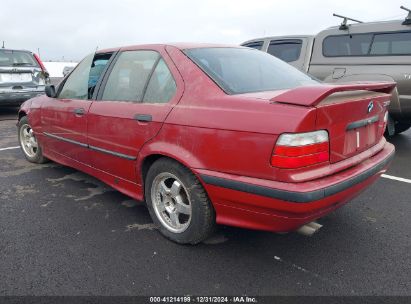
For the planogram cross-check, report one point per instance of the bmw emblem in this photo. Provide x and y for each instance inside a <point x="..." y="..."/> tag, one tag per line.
<point x="370" y="106"/>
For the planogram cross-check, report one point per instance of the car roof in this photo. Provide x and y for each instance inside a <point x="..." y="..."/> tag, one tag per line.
<point x="281" y="36"/>
<point x="278" y="38"/>
<point x="14" y="50"/>
<point x="366" y="27"/>
<point x="179" y="45"/>
<point x="370" y="24"/>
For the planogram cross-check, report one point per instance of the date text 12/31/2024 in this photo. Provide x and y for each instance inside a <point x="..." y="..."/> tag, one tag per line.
<point x="204" y="299"/>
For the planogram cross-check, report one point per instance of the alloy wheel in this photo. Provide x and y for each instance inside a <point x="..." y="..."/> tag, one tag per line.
<point x="171" y="202"/>
<point x="28" y="141"/>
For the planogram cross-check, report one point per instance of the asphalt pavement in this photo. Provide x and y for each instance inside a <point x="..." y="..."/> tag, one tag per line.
<point x="63" y="232"/>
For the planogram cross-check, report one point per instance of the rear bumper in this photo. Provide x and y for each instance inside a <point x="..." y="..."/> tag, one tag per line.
<point x="277" y="206"/>
<point x="16" y="97"/>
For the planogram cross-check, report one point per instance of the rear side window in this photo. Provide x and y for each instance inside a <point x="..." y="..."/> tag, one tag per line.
<point x="17" y="58"/>
<point x="391" y="44"/>
<point x="255" y="45"/>
<point x="347" y="45"/>
<point x="287" y="50"/>
<point x="129" y="76"/>
<point x="373" y="44"/>
<point x="161" y="87"/>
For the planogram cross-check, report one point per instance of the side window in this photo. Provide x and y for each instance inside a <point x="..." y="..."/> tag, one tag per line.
<point x="76" y="85"/>
<point x="162" y="86"/>
<point x="255" y="45"/>
<point x="391" y="44"/>
<point x="129" y="76"/>
<point x="347" y="45"/>
<point x="97" y="67"/>
<point x="287" y="50"/>
<point x="82" y="81"/>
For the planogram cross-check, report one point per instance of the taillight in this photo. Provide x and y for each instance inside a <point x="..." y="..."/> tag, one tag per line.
<point x="301" y="150"/>
<point x="43" y="68"/>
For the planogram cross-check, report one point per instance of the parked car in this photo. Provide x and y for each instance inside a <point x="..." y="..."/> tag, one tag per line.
<point x="22" y="76"/>
<point x="67" y="70"/>
<point x="210" y="134"/>
<point x="371" y="51"/>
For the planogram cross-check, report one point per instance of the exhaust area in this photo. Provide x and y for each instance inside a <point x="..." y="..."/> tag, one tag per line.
<point x="309" y="229"/>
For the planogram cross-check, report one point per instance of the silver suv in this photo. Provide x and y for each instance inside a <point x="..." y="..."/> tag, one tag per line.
<point x="22" y="76"/>
<point x="372" y="51"/>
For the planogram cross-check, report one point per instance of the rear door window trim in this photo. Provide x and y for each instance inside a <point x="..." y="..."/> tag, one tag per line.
<point x="259" y="43"/>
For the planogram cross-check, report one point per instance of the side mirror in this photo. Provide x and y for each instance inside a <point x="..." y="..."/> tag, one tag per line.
<point x="50" y="91"/>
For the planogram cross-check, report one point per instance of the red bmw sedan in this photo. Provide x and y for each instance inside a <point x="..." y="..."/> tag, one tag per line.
<point x="212" y="134"/>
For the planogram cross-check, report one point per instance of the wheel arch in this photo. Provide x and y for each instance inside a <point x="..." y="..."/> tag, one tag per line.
<point x="154" y="150"/>
<point x="22" y="113"/>
<point x="145" y="165"/>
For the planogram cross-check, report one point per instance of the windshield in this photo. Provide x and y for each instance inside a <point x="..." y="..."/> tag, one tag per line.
<point x="17" y="58"/>
<point x="244" y="70"/>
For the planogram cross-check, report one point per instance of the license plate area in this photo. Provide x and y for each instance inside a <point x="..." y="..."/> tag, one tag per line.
<point x="361" y="138"/>
<point x="16" y="77"/>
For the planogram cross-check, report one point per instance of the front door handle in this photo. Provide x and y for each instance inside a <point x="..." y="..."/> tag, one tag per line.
<point x="143" y="117"/>
<point x="79" y="111"/>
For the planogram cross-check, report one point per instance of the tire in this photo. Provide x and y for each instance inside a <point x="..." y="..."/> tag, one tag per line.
<point x="395" y="127"/>
<point x="390" y="129"/>
<point x="28" y="142"/>
<point x="401" y="127"/>
<point x="178" y="203"/>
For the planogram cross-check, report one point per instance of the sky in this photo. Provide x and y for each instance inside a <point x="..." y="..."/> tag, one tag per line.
<point x="69" y="30"/>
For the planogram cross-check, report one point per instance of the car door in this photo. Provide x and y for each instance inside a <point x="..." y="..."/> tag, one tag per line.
<point x="138" y="92"/>
<point x="64" y="118"/>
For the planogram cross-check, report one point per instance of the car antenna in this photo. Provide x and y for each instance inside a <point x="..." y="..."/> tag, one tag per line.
<point x="407" y="20"/>
<point x="3" y="45"/>
<point x="344" y="25"/>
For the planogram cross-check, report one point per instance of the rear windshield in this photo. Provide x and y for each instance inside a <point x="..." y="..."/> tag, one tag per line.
<point x="244" y="70"/>
<point x="17" y="58"/>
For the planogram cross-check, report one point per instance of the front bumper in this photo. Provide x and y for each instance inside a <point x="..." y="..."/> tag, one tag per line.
<point x="280" y="207"/>
<point x="16" y="97"/>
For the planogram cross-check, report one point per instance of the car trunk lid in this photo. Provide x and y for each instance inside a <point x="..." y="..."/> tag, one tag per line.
<point x="353" y="114"/>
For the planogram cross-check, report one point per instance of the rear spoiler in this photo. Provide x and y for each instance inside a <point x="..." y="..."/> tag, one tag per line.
<point x="313" y="95"/>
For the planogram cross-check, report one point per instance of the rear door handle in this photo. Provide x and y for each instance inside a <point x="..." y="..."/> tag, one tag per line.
<point x="143" y="117"/>
<point x="79" y="111"/>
